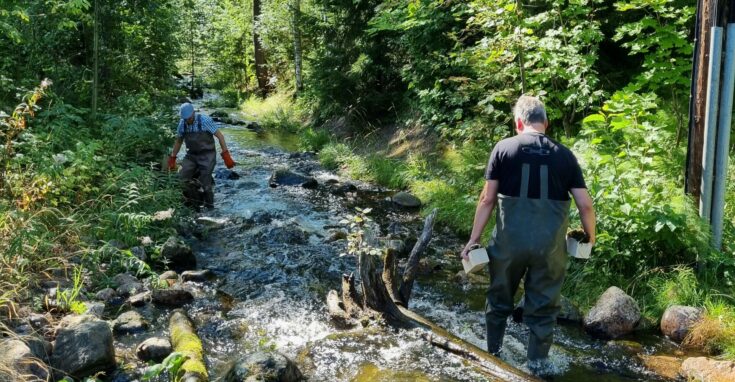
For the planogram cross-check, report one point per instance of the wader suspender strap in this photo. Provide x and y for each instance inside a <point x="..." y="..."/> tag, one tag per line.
<point x="544" y="181"/>
<point x="526" y="172"/>
<point x="199" y="123"/>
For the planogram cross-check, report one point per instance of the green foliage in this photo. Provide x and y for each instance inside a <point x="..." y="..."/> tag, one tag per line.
<point x="170" y="367"/>
<point x="645" y="220"/>
<point x="361" y="234"/>
<point x="312" y="139"/>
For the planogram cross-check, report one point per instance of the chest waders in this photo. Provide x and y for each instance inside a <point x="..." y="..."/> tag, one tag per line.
<point x="197" y="166"/>
<point x="529" y="239"/>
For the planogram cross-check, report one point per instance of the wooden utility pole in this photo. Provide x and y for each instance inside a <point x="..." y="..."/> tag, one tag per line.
<point x="261" y="71"/>
<point x="706" y="10"/>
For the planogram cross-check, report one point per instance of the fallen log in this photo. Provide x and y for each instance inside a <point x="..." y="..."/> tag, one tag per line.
<point x="386" y="295"/>
<point x="441" y="338"/>
<point x="184" y="340"/>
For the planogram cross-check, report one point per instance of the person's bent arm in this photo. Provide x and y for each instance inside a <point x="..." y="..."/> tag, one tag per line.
<point x="177" y="146"/>
<point x="221" y="139"/>
<point x="485" y="206"/>
<point x="586" y="212"/>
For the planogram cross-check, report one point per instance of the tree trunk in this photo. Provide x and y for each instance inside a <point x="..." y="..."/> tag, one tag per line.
<point x="261" y="70"/>
<point x="380" y="295"/>
<point x="192" y="45"/>
<point x="296" y="30"/>
<point x="95" y="70"/>
<point x="412" y="266"/>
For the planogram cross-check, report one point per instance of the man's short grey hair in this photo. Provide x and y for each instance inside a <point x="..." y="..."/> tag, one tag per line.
<point x="529" y="110"/>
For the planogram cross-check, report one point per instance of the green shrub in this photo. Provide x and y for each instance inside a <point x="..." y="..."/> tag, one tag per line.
<point x="314" y="139"/>
<point x="333" y="155"/>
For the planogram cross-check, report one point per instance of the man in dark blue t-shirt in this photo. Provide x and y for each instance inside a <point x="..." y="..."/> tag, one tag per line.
<point x="530" y="177"/>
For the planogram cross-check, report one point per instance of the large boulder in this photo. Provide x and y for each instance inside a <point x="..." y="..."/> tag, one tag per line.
<point x="264" y="367"/>
<point x="678" y="320"/>
<point x="130" y="322"/>
<point x="201" y="275"/>
<point x="615" y="314"/>
<point x="172" y="297"/>
<point x="178" y="254"/>
<point x="406" y="200"/>
<point x="153" y="349"/>
<point x="708" y="370"/>
<point x="286" y="177"/>
<point x="83" y="346"/>
<point x="19" y="360"/>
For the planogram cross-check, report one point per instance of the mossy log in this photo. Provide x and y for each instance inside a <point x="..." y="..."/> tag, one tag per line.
<point x="185" y="340"/>
<point x="386" y="294"/>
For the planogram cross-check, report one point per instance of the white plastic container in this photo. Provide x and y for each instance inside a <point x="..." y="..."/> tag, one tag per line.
<point x="578" y="250"/>
<point x="477" y="260"/>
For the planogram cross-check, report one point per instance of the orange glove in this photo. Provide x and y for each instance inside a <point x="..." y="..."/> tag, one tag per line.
<point x="228" y="159"/>
<point x="172" y="163"/>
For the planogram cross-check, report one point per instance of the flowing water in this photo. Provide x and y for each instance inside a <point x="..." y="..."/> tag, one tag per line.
<point x="274" y="267"/>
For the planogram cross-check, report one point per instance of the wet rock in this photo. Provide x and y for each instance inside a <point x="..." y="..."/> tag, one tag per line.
<point x="303" y="155"/>
<point x="168" y="275"/>
<point x="226" y="174"/>
<point x="172" y="297"/>
<point x="83" y="346"/>
<point x="20" y="359"/>
<point x="615" y="314"/>
<point x="461" y="277"/>
<point x="140" y="299"/>
<point x="568" y="312"/>
<point x="428" y="266"/>
<point x="153" y="349"/>
<point x="709" y="370"/>
<point x="39" y="321"/>
<point x="95" y="308"/>
<point x="213" y="222"/>
<point x="139" y="253"/>
<point x="286" y="177"/>
<point x="130" y="322"/>
<point x="39" y="347"/>
<point x="340" y="189"/>
<point x="219" y="114"/>
<point x="336" y="234"/>
<point x="398" y="247"/>
<point x="665" y="366"/>
<point x="127" y="284"/>
<point x="248" y="186"/>
<point x="197" y="276"/>
<point x="631" y="347"/>
<point x="265" y="367"/>
<point x="285" y="234"/>
<point x="406" y="200"/>
<point x="106" y="295"/>
<point x="678" y="320"/>
<point x="178" y="254"/>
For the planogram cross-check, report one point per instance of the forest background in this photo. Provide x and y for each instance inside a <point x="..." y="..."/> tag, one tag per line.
<point x="410" y="94"/>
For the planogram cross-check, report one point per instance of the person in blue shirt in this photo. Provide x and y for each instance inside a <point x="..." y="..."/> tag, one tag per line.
<point x="198" y="132"/>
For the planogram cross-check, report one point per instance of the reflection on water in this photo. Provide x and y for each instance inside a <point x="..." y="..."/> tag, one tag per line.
<point x="262" y="139"/>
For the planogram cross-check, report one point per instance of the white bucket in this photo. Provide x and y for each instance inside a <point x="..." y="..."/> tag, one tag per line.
<point x="477" y="260"/>
<point x="578" y="250"/>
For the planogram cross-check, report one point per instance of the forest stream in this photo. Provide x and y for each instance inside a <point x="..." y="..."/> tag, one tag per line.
<point x="275" y="256"/>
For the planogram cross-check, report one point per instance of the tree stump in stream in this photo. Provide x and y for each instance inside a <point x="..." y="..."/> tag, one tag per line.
<point x="385" y="295"/>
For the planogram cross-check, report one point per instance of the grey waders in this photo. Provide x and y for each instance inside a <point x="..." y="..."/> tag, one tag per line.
<point x="529" y="239"/>
<point x="197" y="166"/>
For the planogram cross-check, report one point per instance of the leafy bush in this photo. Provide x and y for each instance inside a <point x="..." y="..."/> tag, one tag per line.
<point x="314" y="139"/>
<point x="645" y="220"/>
